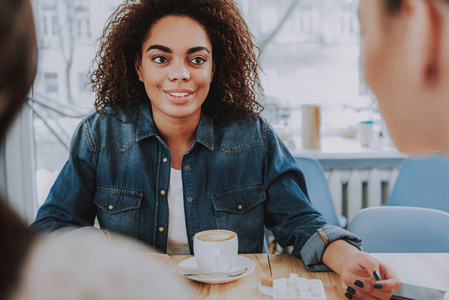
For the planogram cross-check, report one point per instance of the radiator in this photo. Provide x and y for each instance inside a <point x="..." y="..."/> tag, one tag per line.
<point x="355" y="189"/>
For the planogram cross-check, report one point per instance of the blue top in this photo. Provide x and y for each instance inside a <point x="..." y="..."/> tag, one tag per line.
<point x="237" y="176"/>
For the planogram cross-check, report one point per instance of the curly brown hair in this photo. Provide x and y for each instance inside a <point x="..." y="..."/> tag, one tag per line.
<point x="235" y="84"/>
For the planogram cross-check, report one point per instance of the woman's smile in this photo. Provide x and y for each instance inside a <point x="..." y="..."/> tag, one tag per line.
<point x="179" y="96"/>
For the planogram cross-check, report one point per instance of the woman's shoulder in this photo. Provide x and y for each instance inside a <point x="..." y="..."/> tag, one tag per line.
<point x="111" y="127"/>
<point x="114" y="116"/>
<point x="242" y="133"/>
<point x="255" y="122"/>
<point x="256" y="125"/>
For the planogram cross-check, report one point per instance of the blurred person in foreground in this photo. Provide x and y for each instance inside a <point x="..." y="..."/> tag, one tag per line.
<point x="82" y="265"/>
<point x="177" y="146"/>
<point x="405" y="60"/>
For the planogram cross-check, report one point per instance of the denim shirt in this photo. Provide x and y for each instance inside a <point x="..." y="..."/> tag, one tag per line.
<point x="238" y="176"/>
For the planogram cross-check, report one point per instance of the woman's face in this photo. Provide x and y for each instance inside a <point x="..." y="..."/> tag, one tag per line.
<point x="393" y="51"/>
<point x="176" y="67"/>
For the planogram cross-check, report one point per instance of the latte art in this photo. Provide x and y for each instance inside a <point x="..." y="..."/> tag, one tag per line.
<point x="215" y="235"/>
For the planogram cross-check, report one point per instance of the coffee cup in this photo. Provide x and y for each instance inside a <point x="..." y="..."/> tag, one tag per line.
<point x="215" y="250"/>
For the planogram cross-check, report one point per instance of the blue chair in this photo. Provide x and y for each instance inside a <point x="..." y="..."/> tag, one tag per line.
<point x="423" y="182"/>
<point x="401" y="229"/>
<point x="318" y="190"/>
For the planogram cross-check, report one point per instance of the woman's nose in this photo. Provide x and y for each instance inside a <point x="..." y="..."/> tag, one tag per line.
<point x="179" y="72"/>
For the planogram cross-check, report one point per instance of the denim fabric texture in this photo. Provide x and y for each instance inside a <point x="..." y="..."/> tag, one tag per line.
<point x="238" y="176"/>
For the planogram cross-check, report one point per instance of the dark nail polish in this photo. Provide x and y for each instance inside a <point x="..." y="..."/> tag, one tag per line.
<point x="377" y="286"/>
<point x="349" y="296"/>
<point x="358" y="283"/>
<point x="377" y="275"/>
<point x="351" y="290"/>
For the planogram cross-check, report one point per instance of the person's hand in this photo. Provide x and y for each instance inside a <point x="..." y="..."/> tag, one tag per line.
<point x="367" y="278"/>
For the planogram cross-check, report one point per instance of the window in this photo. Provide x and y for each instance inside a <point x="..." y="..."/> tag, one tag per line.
<point x="44" y="25"/>
<point x="67" y="31"/>
<point x="83" y="27"/>
<point x="48" y="18"/>
<point x="54" y="25"/>
<point x="310" y="55"/>
<point x="51" y="83"/>
<point x="82" y="19"/>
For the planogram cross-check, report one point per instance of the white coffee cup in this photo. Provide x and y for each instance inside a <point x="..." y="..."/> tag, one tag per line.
<point x="215" y="250"/>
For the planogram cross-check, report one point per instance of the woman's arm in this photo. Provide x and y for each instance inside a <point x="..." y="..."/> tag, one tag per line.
<point x="69" y="203"/>
<point x="289" y="212"/>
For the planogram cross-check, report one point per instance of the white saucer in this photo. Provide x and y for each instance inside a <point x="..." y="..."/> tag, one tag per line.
<point x="190" y="266"/>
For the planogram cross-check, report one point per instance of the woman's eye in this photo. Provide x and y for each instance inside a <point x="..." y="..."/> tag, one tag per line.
<point x="198" y="60"/>
<point x="160" y="59"/>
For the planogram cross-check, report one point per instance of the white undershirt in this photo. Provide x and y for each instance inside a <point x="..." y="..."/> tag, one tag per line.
<point x="177" y="242"/>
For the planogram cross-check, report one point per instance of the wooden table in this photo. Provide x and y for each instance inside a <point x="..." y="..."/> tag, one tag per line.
<point x="427" y="269"/>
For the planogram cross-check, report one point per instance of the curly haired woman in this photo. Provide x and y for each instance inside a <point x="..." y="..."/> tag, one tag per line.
<point x="177" y="146"/>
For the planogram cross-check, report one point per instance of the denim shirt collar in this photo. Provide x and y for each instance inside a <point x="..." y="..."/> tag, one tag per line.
<point x="146" y="126"/>
<point x="205" y="132"/>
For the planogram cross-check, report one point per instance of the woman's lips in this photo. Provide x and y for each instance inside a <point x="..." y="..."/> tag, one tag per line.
<point x="179" y="96"/>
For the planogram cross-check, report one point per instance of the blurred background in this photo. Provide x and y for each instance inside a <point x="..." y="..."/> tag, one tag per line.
<point x="309" y="55"/>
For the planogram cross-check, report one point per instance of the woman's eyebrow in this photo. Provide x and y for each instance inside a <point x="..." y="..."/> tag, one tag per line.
<point x="199" y="48"/>
<point x="168" y="50"/>
<point x="160" y="47"/>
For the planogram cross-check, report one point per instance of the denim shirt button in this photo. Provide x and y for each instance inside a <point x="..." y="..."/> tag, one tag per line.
<point x="162" y="192"/>
<point x="187" y="167"/>
<point x="161" y="229"/>
<point x="164" y="159"/>
<point x="190" y="199"/>
<point x="239" y="207"/>
<point x="110" y="207"/>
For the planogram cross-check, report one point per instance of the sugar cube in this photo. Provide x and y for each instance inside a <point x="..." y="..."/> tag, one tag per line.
<point x="302" y="285"/>
<point x="281" y="282"/>
<point x="290" y="292"/>
<point x="292" y="280"/>
<point x="315" y="289"/>
<point x="297" y="288"/>
<point x="280" y="291"/>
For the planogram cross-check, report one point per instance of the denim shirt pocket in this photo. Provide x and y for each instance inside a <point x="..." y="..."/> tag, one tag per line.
<point x="242" y="211"/>
<point x="118" y="210"/>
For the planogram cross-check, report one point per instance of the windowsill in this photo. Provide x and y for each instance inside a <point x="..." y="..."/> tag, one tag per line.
<point x="343" y="152"/>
